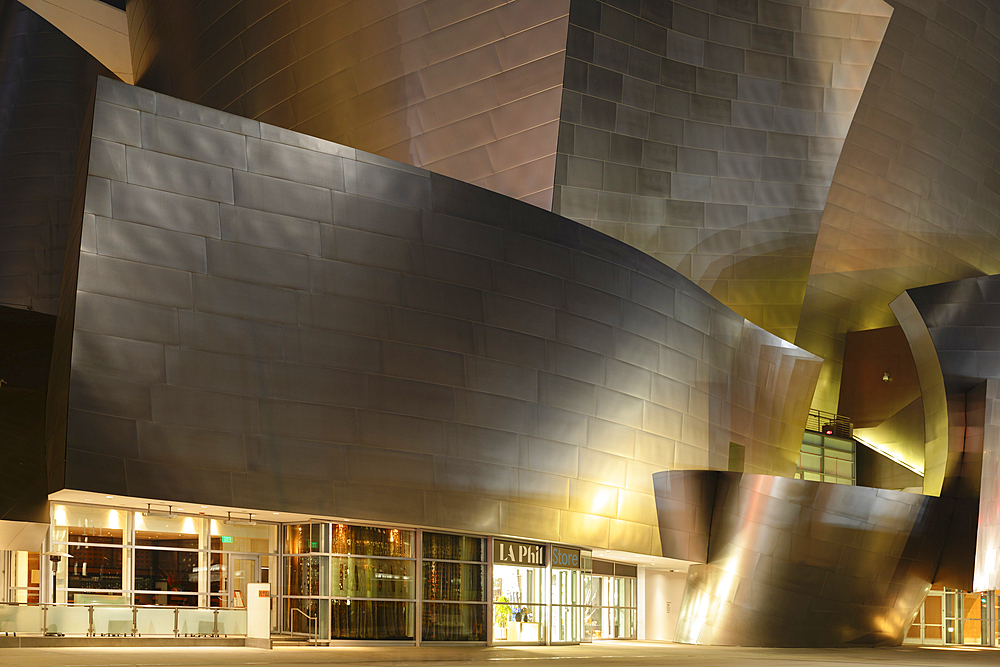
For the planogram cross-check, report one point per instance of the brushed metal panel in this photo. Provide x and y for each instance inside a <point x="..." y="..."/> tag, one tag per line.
<point x="149" y="206"/>
<point x="186" y="177"/>
<point x="179" y="445"/>
<point x="342" y="78"/>
<point x="151" y="246"/>
<point x="194" y="141"/>
<point x="779" y="549"/>
<point x="274" y="195"/>
<point x="135" y="281"/>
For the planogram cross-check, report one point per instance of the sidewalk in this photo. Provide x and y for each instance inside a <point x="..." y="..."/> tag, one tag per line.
<point x="630" y="654"/>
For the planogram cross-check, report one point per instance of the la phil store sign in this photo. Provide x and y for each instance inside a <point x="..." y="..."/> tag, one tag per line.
<point x="506" y="552"/>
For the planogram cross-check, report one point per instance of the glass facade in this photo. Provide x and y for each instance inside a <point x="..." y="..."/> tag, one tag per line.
<point x="453" y="596"/>
<point x="349" y="582"/>
<point x="334" y="581"/>
<point x="825" y="458"/>
<point x="614" y="601"/>
<point x="953" y="617"/>
<point x="118" y="556"/>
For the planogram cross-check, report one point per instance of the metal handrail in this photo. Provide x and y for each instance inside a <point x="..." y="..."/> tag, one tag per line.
<point x="829" y="423"/>
<point x="313" y="634"/>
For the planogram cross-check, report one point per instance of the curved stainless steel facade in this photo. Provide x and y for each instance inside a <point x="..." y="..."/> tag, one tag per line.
<point x="796" y="563"/>
<point x="466" y="89"/>
<point x="707" y="134"/>
<point x="268" y="320"/>
<point x="48" y="83"/>
<point x="949" y="328"/>
<point x="774" y="153"/>
<point x="916" y="197"/>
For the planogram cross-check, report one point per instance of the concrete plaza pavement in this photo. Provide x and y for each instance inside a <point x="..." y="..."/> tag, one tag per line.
<point x="624" y="654"/>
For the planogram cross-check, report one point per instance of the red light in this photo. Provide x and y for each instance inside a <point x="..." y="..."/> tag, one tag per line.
<point x="829" y="431"/>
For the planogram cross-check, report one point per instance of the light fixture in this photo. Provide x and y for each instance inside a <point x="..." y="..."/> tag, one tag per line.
<point x="886" y="377"/>
<point x="239" y="521"/>
<point x="109" y="497"/>
<point x="168" y="514"/>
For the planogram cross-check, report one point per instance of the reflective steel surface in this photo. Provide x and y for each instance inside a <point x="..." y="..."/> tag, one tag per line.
<point x="951" y="328"/>
<point x="466" y="89"/>
<point x="707" y="135"/>
<point x="798" y="563"/>
<point x="265" y="319"/>
<point x="915" y="197"/>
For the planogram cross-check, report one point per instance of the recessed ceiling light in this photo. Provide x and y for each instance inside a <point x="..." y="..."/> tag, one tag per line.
<point x="276" y="512"/>
<point x="109" y="496"/>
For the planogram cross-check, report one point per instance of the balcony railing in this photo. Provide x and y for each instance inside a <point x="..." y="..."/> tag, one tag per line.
<point x="121" y="621"/>
<point x="829" y="423"/>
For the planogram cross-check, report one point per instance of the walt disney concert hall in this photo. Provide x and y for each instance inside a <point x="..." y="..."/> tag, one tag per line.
<point x="500" y="321"/>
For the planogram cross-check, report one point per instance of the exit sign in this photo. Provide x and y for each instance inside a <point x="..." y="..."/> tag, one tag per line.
<point x="227" y="539"/>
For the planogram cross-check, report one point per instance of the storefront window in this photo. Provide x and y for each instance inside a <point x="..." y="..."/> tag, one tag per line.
<point x="373" y="578"/>
<point x="454" y="622"/>
<point x="91" y="567"/>
<point x="371" y="619"/>
<point x="519" y="605"/>
<point x="24" y="573"/>
<point x="370" y="541"/>
<point x="453" y="572"/>
<point x="353" y="578"/>
<point x="125" y="557"/>
<point x="303" y="574"/>
<point x="306" y="538"/>
<point x="244" y="539"/>
<point x="168" y="533"/>
<point x="571" y="585"/>
<point x="92" y="525"/>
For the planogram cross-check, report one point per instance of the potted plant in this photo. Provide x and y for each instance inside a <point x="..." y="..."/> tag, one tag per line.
<point x="501" y="615"/>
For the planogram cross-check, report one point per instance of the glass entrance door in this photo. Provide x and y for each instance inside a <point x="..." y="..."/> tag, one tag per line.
<point x="519" y="609"/>
<point x="243" y="569"/>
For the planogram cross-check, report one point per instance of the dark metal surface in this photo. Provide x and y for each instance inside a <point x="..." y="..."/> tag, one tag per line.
<point x="951" y="330"/>
<point x="47" y="83"/>
<point x="369" y="340"/>
<point x="25" y="351"/>
<point x="798" y="563"/>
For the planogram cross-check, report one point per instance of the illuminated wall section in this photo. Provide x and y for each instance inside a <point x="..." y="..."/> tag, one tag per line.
<point x="268" y="320"/>
<point x="466" y="89"/>
<point x="708" y="137"/>
<point x="915" y="199"/>
<point x="99" y="28"/>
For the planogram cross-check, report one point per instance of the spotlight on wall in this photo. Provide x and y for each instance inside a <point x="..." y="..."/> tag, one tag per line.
<point x="239" y="521"/>
<point x="168" y="514"/>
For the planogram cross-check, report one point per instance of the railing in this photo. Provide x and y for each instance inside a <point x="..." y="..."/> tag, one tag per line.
<point x="829" y="423"/>
<point x="121" y="621"/>
<point x="313" y="625"/>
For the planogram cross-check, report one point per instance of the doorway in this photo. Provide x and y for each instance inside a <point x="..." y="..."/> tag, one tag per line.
<point x="242" y="569"/>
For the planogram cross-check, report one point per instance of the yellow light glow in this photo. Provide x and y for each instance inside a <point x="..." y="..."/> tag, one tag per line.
<point x="60" y="515"/>
<point x="113" y="521"/>
<point x="188" y="526"/>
